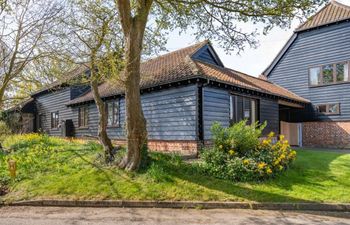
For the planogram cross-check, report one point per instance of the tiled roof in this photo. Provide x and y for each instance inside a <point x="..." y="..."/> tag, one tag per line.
<point x="20" y="105"/>
<point x="76" y="72"/>
<point x="178" y="66"/>
<point x="236" y="78"/>
<point x="332" y="12"/>
<point x="173" y="66"/>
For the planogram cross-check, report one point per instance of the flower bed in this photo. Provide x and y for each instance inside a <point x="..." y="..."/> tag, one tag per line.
<point x="239" y="154"/>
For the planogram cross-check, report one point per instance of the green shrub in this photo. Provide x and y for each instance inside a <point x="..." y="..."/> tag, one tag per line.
<point x="12" y="121"/>
<point x="4" y="130"/>
<point x="241" y="138"/>
<point x="239" y="155"/>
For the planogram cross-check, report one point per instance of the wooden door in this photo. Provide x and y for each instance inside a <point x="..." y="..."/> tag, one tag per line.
<point x="292" y="132"/>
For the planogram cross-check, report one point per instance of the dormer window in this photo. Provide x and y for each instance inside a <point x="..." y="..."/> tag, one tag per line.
<point x="329" y="74"/>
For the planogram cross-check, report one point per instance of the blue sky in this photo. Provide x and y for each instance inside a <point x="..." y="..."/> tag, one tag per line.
<point x="251" y="61"/>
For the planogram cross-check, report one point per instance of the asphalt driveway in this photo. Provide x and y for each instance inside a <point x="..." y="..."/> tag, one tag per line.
<point x="84" y="216"/>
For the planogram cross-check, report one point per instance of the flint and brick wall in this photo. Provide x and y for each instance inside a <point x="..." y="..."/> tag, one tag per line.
<point x="182" y="147"/>
<point x="326" y="134"/>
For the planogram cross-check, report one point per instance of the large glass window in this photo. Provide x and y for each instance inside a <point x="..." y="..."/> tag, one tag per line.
<point x="342" y="72"/>
<point x="112" y="109"/>
<point x="83" y="116"/>
<point x="315" y="76"/>
<point x="243" y="108"/>
<point x="329" y="109"/>
<point x="329" y="74"/>
<point x="54" y="119"/>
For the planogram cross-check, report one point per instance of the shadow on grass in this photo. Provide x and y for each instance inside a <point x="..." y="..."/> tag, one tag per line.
<point x="309" y="170"/>
<point x="166" y="168"/>
<point x="238" y="190"/>
<point x="110" y="173"/>
<point x="191" y="174"/>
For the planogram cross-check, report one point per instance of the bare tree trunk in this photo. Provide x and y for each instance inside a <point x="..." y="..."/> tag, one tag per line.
<point x="2" y="93"/>
<point x="136" y="123"/>
<point x="102" y="124"/>
<point x="133" y="25"/>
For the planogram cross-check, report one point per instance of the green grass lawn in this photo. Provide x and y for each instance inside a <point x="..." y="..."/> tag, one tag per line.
<point x="72" y="170"/>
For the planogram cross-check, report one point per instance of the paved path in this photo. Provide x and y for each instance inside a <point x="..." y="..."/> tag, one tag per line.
<point x="84" y="216"/>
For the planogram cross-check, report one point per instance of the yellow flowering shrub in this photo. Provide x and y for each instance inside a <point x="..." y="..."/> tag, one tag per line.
<point x="231" y="152"/>
<point x="268" y="170"/>
<point x="257" y="159"/>
<point x="261" y="165"/>
<point x="277" y="156"/>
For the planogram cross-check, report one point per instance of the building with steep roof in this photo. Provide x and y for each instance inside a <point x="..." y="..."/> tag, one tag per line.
<point x="183" y="93"/>
<point x="315" y="64"/>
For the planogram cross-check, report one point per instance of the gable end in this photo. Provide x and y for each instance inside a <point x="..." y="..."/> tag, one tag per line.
<point x="207" y="54"/>
<point x="280" y="54"/>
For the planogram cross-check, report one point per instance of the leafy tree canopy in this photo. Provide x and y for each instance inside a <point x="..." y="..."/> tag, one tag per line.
<point x="220" y="20"/>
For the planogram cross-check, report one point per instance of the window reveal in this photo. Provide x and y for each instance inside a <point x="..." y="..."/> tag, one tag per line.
<point x="83" y="116"/>
<point x="243" y="108"/>
<point x="112" y="109"/>
<point x="54" y="119"/>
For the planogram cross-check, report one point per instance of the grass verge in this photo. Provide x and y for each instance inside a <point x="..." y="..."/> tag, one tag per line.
<point x="53" y="168"/>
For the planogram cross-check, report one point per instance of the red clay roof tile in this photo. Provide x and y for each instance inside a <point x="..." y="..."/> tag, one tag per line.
<point x="178" y="65"/>
<point x="331" y="13"/>
<point x="236" y="78"/>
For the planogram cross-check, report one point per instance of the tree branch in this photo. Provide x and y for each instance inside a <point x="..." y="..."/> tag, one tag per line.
<point x="124" y="14"/>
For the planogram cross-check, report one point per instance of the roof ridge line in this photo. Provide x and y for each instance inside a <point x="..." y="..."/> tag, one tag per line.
<point x="311" y="17"/>
<point x="201" y="44"/>
<point x="332" y="3"/>
<point x="63" y="79"/>
<point x="266" y="81"/>
<point x="233" y="70"/>
<point x="245" y="74"/>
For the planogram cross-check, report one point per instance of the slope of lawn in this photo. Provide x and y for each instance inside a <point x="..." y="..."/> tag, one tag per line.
<point x="53" y="168"/>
